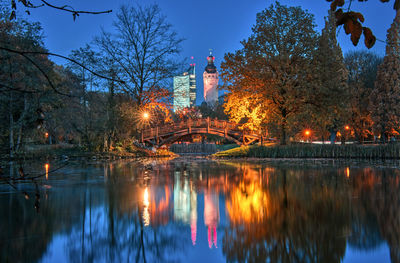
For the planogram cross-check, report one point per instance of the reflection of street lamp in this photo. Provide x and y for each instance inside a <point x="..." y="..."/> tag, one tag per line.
<point x="46" y="167"/>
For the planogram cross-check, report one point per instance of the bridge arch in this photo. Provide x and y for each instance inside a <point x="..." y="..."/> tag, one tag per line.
<point x="167" y="134"/>
<point x="176" y="137"/>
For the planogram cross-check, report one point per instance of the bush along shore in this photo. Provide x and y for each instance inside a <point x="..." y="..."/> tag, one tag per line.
<point x="385" y="151"/>
<point x="71" y="152"/>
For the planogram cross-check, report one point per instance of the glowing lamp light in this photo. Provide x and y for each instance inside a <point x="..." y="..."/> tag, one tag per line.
<point x="347" y="127"/>
<point x="46" y="134"/>
<point x="146" y="115"/>
<point x="307" y="132"/>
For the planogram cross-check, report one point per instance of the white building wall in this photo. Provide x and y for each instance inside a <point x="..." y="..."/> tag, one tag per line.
<point x="210" y="81"/>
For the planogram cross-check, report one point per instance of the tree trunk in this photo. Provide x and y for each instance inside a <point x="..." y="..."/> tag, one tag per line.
<point x="332" y="136"/>
<point x="283" y="133"/>
<point x="11" y="135"/>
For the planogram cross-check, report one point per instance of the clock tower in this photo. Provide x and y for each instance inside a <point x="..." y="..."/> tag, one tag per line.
<point x="210" y="80"/>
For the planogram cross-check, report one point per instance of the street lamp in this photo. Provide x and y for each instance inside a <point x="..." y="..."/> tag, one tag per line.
<point x="307" y="133"/>
<point x="146" y="115"/>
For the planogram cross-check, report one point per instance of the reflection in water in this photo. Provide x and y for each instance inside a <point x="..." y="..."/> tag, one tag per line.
<point x="146" y="203"/>
<point x="185" y="204"/>
<point x="46" y="167"/>
<point x="121" y="212"/>
<point x="211" y="216"/>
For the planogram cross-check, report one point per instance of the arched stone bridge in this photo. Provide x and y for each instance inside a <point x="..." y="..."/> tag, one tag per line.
<point x="170" y="133"/>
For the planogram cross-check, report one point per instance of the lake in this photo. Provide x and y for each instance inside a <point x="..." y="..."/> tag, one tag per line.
<point x="199" y="210"/>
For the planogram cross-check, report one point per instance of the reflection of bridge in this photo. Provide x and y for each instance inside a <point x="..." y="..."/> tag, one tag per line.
<point x="168" y="134"/>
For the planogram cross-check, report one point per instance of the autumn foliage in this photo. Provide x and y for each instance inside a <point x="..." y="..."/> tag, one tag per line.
<point x="352" y="22"/>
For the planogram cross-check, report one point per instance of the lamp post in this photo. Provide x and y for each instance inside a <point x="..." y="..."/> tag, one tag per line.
<point x="307" y="134"/>
<point x="145" y="117"/>
<point x="345" y="135"/>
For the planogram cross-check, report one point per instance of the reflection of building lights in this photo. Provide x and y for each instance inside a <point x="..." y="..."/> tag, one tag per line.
<point x="46" y="166"/>
<point x="185" y="204"/>
<point x="193" y="230"/>
<point x="146" y="203"/>
<point x="348" y="172"/>
<point x="211" y="216"/>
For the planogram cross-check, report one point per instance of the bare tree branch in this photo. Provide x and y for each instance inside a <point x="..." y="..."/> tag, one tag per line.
<point x="65" y="8"/>
<point x="23" y="53"/>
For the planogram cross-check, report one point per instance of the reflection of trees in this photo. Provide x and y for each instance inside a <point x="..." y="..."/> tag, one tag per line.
<point x="286" y="221"/>
<point x="120" y="233"/>
<point x="24" y="233"/>
<point x="276" y="213"/>
<point x="378" y="199"/>
<point x="365" y="232"/>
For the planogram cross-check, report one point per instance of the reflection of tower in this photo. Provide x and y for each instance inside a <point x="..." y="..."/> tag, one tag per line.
<point x="193" y="214"/>
<point x="211" y="216"/>
<point x="185" y="204"/>
<point x="210" y="80"/>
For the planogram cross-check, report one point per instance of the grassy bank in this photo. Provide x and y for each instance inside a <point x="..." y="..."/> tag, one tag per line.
<point x="66" y="151"/>
<point x="388" y="151"/>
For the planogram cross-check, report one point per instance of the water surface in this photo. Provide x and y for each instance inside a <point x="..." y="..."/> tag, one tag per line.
<point x="197" y="210"/>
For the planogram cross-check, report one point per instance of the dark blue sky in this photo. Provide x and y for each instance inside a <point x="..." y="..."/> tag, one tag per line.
<point x="216" y="24"/>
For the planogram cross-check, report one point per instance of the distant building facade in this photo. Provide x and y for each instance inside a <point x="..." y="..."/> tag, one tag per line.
<point x="210" y="80"/>
<point x="185" y="89"/>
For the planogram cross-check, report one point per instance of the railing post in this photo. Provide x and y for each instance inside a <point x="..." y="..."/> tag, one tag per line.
<point x="189" y="126"/>
<point x="157" y="138"/>
<point x="208" y="124"/>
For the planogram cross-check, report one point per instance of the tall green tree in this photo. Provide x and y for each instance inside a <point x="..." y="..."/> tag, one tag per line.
<point x="362" y="68"/>
<point x="329" y="96"/>
<point x="385" y="99"/>
<point x="274" y="65"/>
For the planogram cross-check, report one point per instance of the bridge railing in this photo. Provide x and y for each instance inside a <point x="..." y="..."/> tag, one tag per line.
<point x="187" y="124"/>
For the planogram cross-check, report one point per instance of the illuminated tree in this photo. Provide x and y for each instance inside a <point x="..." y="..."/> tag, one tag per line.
<point x="385" y="99"/>
<point x="274" y="65"/>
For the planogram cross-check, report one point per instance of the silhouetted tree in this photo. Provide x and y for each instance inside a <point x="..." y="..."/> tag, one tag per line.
<point x="385" y="99"/>
<point x="362" y="67"/>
